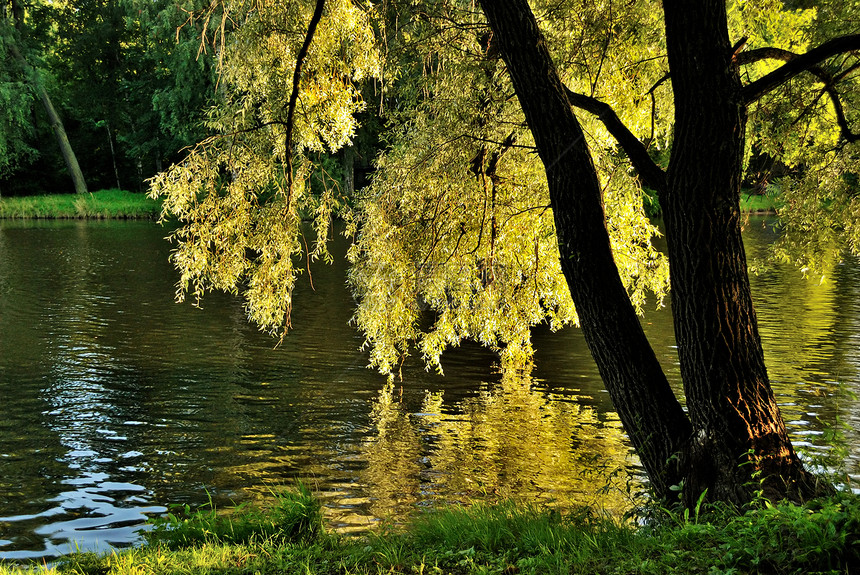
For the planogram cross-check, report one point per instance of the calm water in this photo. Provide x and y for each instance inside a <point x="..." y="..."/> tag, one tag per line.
<point x="117" y="402"/>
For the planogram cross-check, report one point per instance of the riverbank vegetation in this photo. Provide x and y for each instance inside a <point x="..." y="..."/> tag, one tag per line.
<point x="105" y="204"/>
<point x="822" y="536"/>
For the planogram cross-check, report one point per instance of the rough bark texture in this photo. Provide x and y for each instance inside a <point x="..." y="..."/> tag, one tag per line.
<point x="640" y="392"/>
<point x="738" y="427"/>
<point x="733" y="441"/>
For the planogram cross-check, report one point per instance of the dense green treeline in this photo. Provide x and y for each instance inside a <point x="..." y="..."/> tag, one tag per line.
<point x="126" y="81"/>
<point x="135" y="85"/>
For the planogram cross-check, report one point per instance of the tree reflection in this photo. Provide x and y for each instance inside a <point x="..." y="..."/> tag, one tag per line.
<point x="507" y="441"/>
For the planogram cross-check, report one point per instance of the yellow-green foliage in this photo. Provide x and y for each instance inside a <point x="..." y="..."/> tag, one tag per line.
<point x="455" y="239"/>
<point x="456" y="227"/>
<point x="241" y="217"/>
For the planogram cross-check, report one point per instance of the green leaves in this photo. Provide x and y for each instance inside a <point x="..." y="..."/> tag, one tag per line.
<point x="456" y="239"/>
<point x="242" y="222"/>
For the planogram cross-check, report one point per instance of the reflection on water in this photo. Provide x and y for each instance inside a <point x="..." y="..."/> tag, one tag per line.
<point x="118" y="402"/>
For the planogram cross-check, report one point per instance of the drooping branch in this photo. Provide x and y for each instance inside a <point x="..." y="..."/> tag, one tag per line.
<point x="796" y="65"/>
<point x="841" y="120"/>
<point x="652" y="175"/>
<point x="294" y="95"/>
<point x="826" y="78"/>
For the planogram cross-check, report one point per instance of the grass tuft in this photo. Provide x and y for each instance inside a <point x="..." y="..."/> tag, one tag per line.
<point x="294" y="516"/>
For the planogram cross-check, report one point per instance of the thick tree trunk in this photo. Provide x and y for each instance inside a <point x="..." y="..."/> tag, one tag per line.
<point x="734" y="434"/>
<point x="56" y="123"/>
<point x="739" y="432"/>
<point x="640" y="392"/>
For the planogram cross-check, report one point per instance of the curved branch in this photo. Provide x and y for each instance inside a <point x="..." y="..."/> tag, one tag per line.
<point x="800" y="63"/>
<point x="294" y="95"/>
<point x="825" y="77"/>
<point x="652" y="175"/>
<point x="841" y="120"/>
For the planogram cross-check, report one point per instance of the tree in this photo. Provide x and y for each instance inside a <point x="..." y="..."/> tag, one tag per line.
<point x="733" y="431"/>
<point x="242" y="193"/>
<point x="12" y="25"/>
<point x="464" y="235"/>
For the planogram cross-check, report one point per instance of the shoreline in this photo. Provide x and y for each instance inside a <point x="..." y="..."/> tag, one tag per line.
<point x="100" y="205"/>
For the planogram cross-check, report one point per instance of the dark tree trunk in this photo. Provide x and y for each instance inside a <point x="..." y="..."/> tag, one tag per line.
<point x="347" y="162"/>
<point x="640" y="392"/>
<point x="734" y="432"/>
<point x="738" y="426"/>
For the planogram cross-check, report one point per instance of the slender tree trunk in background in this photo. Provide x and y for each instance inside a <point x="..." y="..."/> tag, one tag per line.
<point x="56" y="123"/>
<point x="640" y="392"/>
<point x="113" y="154"/>
<point x="739" y="429"/>
<point x="348" y="166"/>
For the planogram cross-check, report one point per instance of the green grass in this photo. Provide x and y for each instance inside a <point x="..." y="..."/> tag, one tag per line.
<point x="106" y="204"/>
<point x="750" y="202"/>
<point x="821" y="537"/>
<point x="761" y="203"/>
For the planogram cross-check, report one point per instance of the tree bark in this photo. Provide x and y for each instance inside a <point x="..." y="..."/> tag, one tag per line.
<point x="56" y="123"/>
<point x="347" y="162"/>
<point x="651" y="414"/>
<point x="734" y="440"/>
<point x="740" y="435"/>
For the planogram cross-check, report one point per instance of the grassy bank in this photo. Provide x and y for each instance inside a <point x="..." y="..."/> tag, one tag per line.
<point x="757" y="203"/>
<point x="105" y="204"/>
<point x="821" y="537"/>
<point x="749" y="203"/>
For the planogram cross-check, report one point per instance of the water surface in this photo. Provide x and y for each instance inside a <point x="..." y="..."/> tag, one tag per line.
<point x="118" y="402"/>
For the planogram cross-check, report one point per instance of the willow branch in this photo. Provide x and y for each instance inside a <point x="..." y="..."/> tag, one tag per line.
<point x="824" y="76"/>
<point x="652" y="175"/>
<point x="294" y="95"/>
<point x="796" y="65"/>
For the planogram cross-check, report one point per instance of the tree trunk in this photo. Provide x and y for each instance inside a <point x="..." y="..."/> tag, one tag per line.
<point x="739" y="432"/>
<point x="112" y="154"/>
<point x="347" y="159"/>
<point x="640" y="392"/>
<point x="734" y="434"/>
<point x="56" y="123"/>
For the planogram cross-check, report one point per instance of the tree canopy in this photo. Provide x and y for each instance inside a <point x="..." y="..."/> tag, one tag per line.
<point x="521" y="152"/>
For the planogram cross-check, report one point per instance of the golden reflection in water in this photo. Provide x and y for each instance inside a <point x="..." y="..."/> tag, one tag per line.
<point x="508" y="441"/>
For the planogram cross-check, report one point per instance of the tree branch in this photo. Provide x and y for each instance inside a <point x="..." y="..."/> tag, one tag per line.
<point x="652" y="175"/>
<point x="799" y="63"/>
<point x="294" y="95"/>
<point x="824" y="76"/>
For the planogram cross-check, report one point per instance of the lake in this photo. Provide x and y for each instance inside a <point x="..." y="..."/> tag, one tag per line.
<point x="118" y="402"/>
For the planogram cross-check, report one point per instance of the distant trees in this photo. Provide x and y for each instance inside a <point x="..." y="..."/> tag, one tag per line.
<point x="129" y="87"/>
<point x="12" y="25"/>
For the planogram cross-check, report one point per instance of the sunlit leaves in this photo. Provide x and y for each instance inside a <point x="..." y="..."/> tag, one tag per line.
<point x="457" y="240"/>
<point x="820" y="213"/>
<point x="803" y="128"/>
<point x="241" y="218"/>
